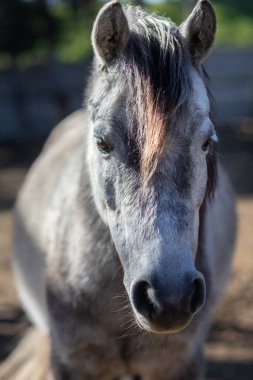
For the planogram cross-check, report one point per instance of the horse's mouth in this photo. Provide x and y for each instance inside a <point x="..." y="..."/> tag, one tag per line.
<point x="162" y="328"/>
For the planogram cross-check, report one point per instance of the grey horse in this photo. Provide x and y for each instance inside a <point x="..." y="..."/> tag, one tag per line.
<point x="124" y="228"/>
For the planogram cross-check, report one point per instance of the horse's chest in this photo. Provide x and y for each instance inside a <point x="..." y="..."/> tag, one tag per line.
<point x="148" y="356"/>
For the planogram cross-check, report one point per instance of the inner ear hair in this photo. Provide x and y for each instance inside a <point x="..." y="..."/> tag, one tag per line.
<point x="110" y="32"/>
<point x="198" y="31"/>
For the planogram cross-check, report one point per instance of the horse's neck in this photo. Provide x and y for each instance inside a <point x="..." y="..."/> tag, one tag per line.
<point x="92" y="259"/>
<point x="83" y="269"/>
<point x="202" y="261"/>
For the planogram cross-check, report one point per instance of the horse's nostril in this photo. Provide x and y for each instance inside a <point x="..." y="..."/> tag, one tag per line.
<point x="166" y="305"/>
<point x="198" y="295"/>
<point x="144" y="299"/>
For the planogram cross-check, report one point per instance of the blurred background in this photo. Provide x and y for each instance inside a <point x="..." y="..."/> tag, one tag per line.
<point x="45" y="59"/>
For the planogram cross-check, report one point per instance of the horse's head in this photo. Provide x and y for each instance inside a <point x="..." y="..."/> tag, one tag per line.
<point x="150" y="154"/>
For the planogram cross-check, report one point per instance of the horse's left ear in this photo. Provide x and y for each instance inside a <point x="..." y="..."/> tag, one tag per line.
<point x="110" y="32"/>
<point x="199" y="30"/>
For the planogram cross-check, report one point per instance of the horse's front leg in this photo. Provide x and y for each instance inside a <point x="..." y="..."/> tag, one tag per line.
<point x="89" y="366"/>
<point x="60" y="371"/>
<point x="192" y="369"/>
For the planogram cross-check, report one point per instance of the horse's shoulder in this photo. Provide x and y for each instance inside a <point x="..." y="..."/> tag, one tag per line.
<point x="44" y="183"/>
<point x="70" y="129"/>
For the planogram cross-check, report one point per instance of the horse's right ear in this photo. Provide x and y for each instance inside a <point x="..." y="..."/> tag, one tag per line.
<point x="110" y="32"/>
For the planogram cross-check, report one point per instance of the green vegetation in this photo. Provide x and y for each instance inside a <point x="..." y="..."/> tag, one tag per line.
<point x="235" y="22"/>
<point x="234" y="28"/>
<point x="72" y="40"/>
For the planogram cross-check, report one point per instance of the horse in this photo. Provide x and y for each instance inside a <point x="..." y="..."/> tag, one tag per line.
<point x="125" y="226"/>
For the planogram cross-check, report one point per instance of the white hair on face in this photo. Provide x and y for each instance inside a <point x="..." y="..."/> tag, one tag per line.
<point x="200" y="95"/>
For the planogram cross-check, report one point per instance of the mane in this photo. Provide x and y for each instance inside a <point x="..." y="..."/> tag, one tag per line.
<point x="156" y="69"/>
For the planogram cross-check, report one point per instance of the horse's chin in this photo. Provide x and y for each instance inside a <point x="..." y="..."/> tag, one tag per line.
<point x="155" y="328"/>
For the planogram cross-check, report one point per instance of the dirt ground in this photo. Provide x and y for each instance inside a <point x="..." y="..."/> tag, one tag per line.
<point x="230" y="346"/>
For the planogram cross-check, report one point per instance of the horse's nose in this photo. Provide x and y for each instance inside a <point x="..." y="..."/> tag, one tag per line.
<point x="167" y="305"/>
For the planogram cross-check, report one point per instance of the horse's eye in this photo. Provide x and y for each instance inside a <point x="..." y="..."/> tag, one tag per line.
<point x="103" y="146"/>
<point x="206" y="144"/>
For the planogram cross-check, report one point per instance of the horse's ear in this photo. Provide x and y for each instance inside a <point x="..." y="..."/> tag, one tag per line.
<point x="199" y="30"/>
<point x="110" y="32"/>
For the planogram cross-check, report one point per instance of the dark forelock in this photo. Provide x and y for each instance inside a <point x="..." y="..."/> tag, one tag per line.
<point x="156" y="68"/>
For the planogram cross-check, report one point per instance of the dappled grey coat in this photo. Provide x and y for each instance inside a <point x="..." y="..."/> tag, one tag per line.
<point x="122" y="237"/>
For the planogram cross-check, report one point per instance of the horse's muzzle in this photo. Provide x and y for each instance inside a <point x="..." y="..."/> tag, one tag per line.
<point x="168" y="310"/>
